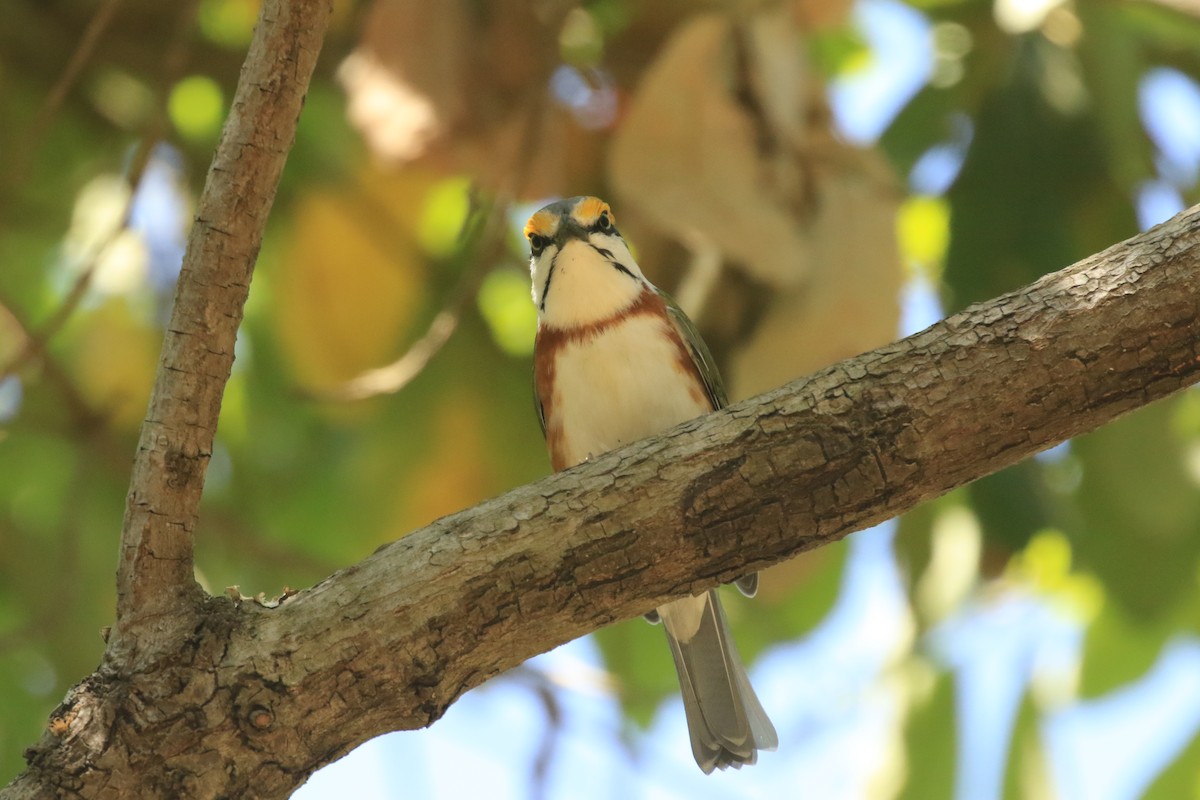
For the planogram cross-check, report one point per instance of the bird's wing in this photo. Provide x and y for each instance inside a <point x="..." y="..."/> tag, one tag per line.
<point x="701" y="357"/>
<point x="537" y="405"/>
<point x="707" y="367"/>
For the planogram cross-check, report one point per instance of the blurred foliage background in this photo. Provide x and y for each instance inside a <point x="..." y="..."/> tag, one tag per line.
<point x="809" y="178"/>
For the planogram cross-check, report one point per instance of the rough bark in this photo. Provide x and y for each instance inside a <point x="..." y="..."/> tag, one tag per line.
<point x="256" y="699"/>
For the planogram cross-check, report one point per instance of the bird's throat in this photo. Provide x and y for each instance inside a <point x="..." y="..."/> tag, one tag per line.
<point x="582" y="287"/>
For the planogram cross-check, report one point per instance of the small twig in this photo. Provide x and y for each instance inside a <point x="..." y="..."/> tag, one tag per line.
<point x="35" y="342"/>
<point x="545" y="754"/>
<point x="543" y="688"/>
<point x="398" y="374"/>
<point x="175" y="60"/>
<point x="22" y="160"/>
<point x="85" y="416"/>
<point x="35" y="135"/>
<point x="174" y="63"/>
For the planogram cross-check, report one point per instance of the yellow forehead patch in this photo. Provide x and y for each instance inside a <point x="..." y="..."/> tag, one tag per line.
<point x="588" y="210"/>
<point x="543" y="223"/>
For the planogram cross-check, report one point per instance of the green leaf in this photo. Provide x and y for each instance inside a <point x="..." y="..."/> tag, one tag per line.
<point x="930" y="738"/>
<point x="1113" y="63"/>
<point x="1139" y="511"/>
<point x="1010" y="505"/>
<point x="1035" y="192"/>
<point x="1181" y="779"/>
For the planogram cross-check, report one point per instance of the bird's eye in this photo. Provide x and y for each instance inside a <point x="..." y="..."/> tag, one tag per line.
<point x="537" y="242"/>
<point x="605" y="222"/>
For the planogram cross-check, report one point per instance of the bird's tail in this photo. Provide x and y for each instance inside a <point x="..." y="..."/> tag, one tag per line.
<point x="726" y="721"/>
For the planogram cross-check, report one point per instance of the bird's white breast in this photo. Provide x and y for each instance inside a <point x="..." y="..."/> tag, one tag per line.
<point x="622" y="385"/>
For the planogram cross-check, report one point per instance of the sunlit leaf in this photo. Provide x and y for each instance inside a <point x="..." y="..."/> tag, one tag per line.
<point x="197" y="107"/>
<point x="923" y="231"/>
<point x="229" y="23"/>
<point x="444" y="216"/>
<point x="510" y="314"/>
<point x="123" y="98"/>
<point x="840" y="51"/>
<point x="115" y="357"/>
<point x="581" y="40"/>
<point x="1045" y="564"/>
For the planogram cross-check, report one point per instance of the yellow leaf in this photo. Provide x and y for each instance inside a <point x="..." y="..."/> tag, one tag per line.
<point x="115" y="359"/>
<point x="351" y="279"/>
<point x="443" y="217"/>
<point x="456" y="474"/>
<point x="196" y="106"/>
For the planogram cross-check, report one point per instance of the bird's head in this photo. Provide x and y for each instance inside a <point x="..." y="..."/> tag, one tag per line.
<point x="582" y="269"/>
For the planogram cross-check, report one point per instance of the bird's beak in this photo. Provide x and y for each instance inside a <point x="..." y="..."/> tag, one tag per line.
<point x="569" y="229"/>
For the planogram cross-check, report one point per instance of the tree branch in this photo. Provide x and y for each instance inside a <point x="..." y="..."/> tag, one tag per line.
<point x="258" y="698"/>
<point x="154" y="576"/>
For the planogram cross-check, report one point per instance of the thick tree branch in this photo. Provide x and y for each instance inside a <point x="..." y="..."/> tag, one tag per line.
<point x="257" y="698"/>
<point x="155" y="584"/>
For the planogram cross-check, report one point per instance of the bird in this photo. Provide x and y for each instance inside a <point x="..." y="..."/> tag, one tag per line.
<point x="616" y="360"/>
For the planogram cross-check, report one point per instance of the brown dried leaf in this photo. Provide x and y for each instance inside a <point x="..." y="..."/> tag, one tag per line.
<point x="459" y="88"/>
<point x="850" y="303"/>
<point x="406" y="82"/>
<point x="816" y="15"/>
<point x="727" y="148"/>
<point x="777" y="73"/>
<point x="693" y="160"/>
